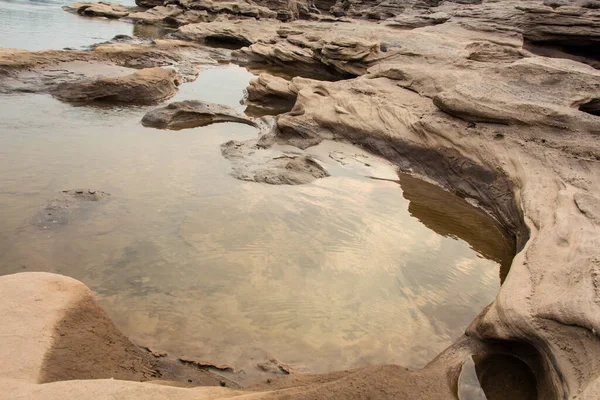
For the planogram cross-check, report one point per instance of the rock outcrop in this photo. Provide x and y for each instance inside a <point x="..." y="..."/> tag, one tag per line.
<point x="42" y="71"/>
<point x="238" y="32"/>
<point x="270" y="95"/>
<point x="148" y="86"/>
<point x="99" y="9"/>
<point x="244" y="8"/>
<point x="517" y="134"/>
<point x="191" y="114"/>
<point x="156" y="15"/>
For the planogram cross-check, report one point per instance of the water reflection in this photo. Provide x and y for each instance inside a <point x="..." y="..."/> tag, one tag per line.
<point x="441" y="212"/>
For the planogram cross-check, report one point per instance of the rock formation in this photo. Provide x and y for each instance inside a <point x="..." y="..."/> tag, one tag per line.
<point x="191" y="114"/>
<point x="454" y="92"/>
<point x="100" y="9"/>
<point x="148" y="86"/>
<point x="516" y="133"/>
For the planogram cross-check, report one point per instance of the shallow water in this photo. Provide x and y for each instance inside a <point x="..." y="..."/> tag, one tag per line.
<point x="42" y="24"/>
<point x="340" y="273"/>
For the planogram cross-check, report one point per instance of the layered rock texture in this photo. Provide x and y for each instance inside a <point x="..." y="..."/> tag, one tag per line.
<point x="191" y="114"/>
<point x="147" y="86"/>
<point x="458" y="93"/>
<point x="463" y="104"/>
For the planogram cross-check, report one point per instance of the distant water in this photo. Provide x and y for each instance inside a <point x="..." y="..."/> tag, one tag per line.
<point x="43" y="24"/>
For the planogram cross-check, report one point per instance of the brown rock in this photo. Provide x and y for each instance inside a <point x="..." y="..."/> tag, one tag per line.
<point x="100" y="9"/>
<point x="192" y="114"/>
<point x="147" y="86"/>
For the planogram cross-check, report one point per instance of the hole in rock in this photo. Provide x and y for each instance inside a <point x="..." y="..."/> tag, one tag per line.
<point x="324" y="5"/>
<point x="584" y="50"/>
<point x="108" y="100"/>
<point x="289" y="71"/>
<point x="497" y="377"/>
<point x="226" y="42"/>
<point x="591" y="107"/>
<point x="272" y="107"/>
<point x="503" y="377"/>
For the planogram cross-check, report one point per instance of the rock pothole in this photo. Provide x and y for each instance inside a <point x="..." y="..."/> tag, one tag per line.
<point x="591" y="107"/>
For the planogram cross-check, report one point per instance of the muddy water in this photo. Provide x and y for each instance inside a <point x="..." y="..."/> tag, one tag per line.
<point x="42" y="24"/>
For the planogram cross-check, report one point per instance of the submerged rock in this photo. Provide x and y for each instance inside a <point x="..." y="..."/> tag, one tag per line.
<point x="72" y="204"/>
<point x="147" y="86"/>
<point x="191" y="114"/>
<point x="250" y="163"/>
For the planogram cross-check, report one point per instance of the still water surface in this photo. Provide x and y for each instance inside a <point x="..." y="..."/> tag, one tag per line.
<point x="42" y="25"/>
<point x="340" y="273"/>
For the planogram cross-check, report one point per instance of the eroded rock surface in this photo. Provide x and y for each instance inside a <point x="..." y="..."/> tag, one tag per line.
<point x="269" y="95"/>
<point x="237" y="32"/>
<point x="42" y="71"/>
<point x="148" y="86"/>
<point x="99" y="9"/>
<point x="462" y="103"/>
<point x="245" y="8"/>
<point x="191" y="114"/>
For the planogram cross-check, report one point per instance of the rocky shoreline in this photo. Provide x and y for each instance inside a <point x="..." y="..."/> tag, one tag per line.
<point x="450" y="92"/>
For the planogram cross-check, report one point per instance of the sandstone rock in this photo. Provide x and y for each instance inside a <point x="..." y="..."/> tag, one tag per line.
<point x="147" y="86"/>
<point x="245" y="8"/>
<point x="41" y="71"/>
<point x="569" y="24"/>
<point x="334" y="52"/>
<point x="191" y="114"/>
<point x="272" y="365"/>
<point x="156" y="14"/>
<point x="100" y="9"/>
<point x="241" y="33"/>
<point x="512" y="100"/>
<point x="542" y="108"/>
<point x="269" y="94"/>
<point x="188" y="17"/>
<point x="462" y="104"/>
<point x="205" y="364"/>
